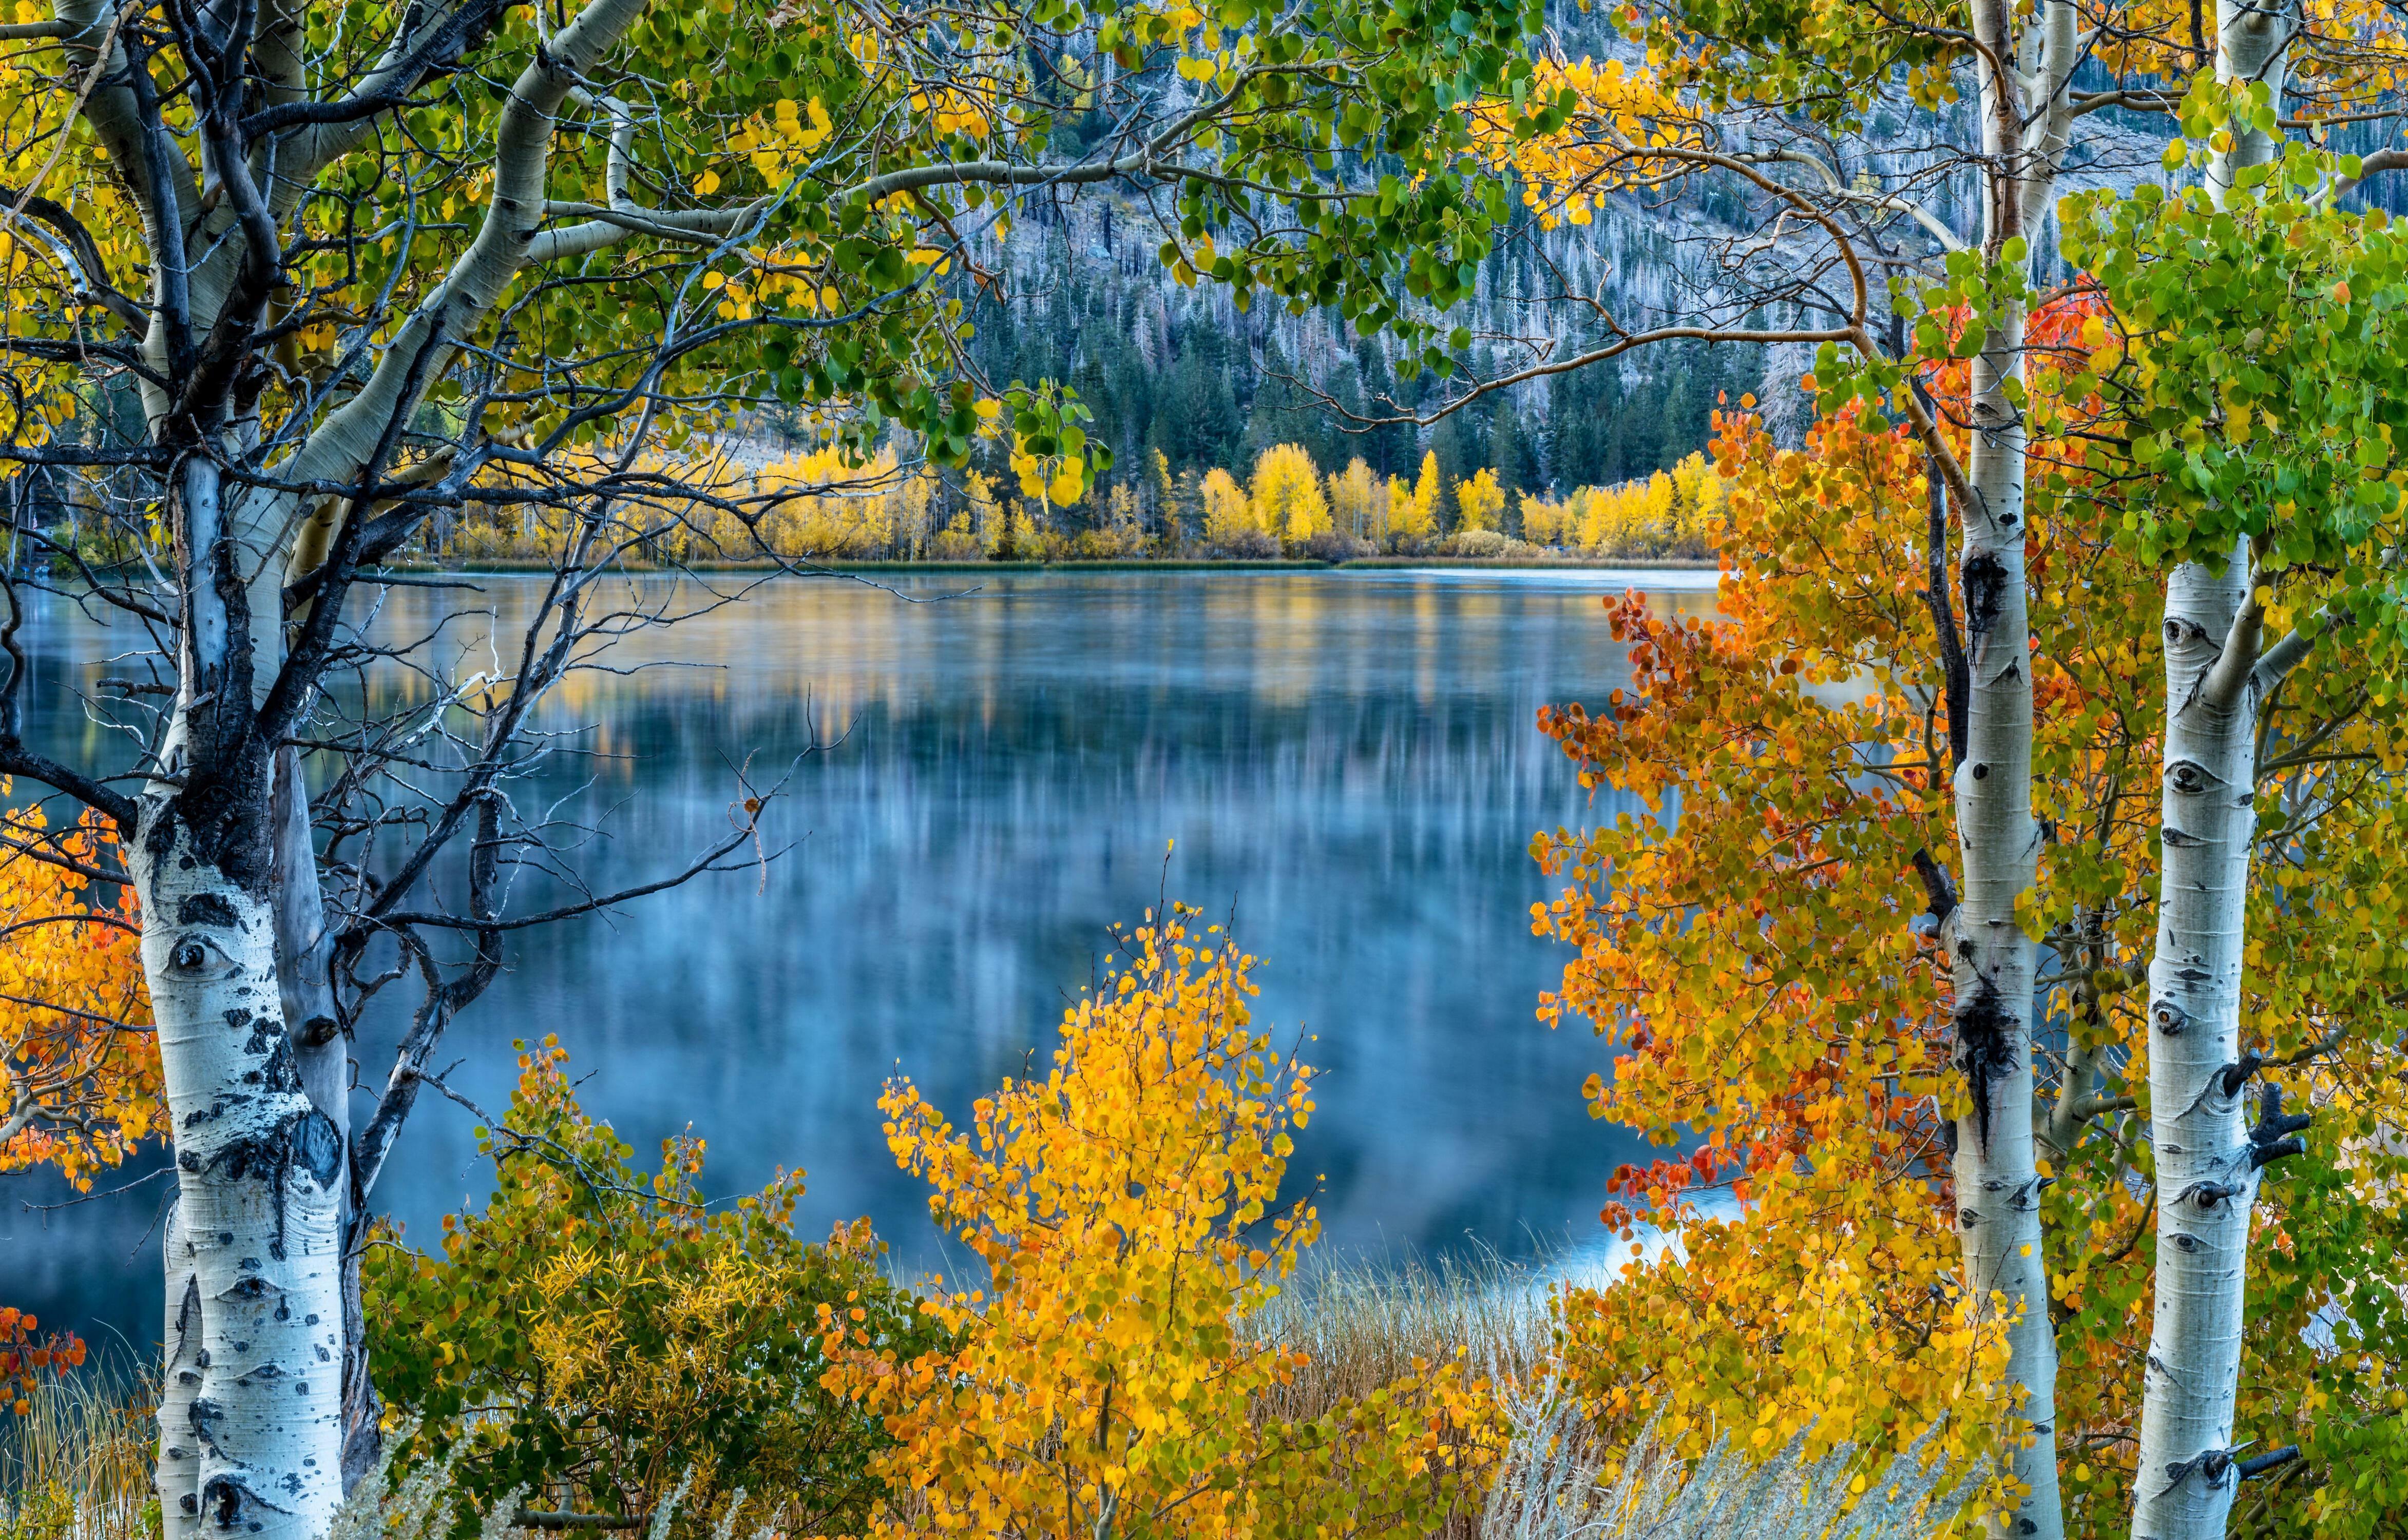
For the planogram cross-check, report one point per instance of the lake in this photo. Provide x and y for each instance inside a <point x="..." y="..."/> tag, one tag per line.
<point x="1346" y="760"/>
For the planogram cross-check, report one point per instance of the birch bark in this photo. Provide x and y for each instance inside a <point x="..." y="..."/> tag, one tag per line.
<point x="1997" y="1178"/>
<point x="253" y="1259"/>
<point x="321" y="1057"/>
<point x="2206" y="1164"/>
<point x="1997" y="1172"/>
<point x="178" y="1478"/>
<point x="250" y="1416"/>
<point x="2206" y="1161"/>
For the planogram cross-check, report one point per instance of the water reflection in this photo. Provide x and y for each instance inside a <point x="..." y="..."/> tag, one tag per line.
<point x="1346" y="762"/>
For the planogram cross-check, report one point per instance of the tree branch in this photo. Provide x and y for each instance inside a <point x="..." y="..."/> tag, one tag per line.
<point x="2291" y="650"/>
<point x="2235" y="667"/>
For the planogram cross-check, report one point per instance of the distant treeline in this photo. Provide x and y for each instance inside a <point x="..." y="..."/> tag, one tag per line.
<point x="1207" y="420"/>
<point x="812" y="505"/>
<point x="1217" y="400"/>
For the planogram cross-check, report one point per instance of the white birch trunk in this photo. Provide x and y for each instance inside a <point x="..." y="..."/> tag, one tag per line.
<point x="321" y="1058"/>
<point x="2206" y="1162"/>
<point x="1997" y="1178"/>
<point x="258" y="1451"/>
<point x="2206" y="1170"/>
<point x="249" y="1419"/>
<point x="1997" y="1175"/>
<point x="302" y="945"/>
<point x="2251" y="44"/>
<point x="177" y="1478"/>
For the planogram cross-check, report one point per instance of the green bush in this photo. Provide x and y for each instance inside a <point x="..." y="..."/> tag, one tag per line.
<point x="590" y="1334"/>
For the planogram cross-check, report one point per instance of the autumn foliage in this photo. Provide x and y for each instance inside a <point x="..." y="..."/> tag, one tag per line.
<point x="593" y="1336"/>
<point x="27" y="1358"/>
<point x="1752" y="942"/>
<point x="1761" y="982"/>
<point x="80" y="1085"/>
<point x="1126" y="1208"/>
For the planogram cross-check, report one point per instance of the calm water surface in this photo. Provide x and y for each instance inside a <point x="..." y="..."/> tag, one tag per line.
<point x="1346" y="760"/>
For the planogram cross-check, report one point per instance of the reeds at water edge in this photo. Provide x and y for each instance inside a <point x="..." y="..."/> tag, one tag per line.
<point x="1365" y="1324"/>
<point x="76" y="1464"/>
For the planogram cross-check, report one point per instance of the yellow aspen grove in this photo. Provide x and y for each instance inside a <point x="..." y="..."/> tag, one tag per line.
<point x="1429" y="487"/>
<point x="1126" y="1210"/>
<point x="1285" y="494"/>
<point x="1397" y="509"/>
<point x="1542" y="521"/>
<point x="1479" y="502"/>
<point x="986" y="515"/>
<point x="1353" y="494"/>
<point x="1412" y="511"/>
<point x="1696" y="503"/>
<point x="1229" y="514"/>
<point x="1676" y="514"/>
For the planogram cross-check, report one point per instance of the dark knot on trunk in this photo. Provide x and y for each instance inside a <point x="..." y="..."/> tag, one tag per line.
<point x="2276" y="1133"/>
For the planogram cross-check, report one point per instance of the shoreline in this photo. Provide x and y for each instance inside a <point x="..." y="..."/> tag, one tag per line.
<point x="1368" y="564"/>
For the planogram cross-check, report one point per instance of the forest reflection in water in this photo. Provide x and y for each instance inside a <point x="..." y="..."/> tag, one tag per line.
<point x="1346" y="760"/>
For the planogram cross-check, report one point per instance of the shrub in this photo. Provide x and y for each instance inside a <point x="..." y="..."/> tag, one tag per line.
<point x="1111" y="542"/>
<point x="957" y="542"/>
<point x="1487" y="545"/>
<point x="1333" y="545"/>
<point x="1246" y="545"/>
<point x="590" y="1334"/>
<point x="1125" y="1208"/>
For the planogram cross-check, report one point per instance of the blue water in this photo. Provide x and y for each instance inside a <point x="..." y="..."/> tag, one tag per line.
<point x="1346" y="762"/>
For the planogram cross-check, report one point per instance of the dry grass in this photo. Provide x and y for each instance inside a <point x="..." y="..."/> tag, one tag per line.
<point x="1364" y="1324"/>
<point x="1554" y="1485"/>
<point x="77" y="1466"/>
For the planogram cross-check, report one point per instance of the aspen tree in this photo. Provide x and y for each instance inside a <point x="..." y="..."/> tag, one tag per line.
<point x="2265" y="349"/>
<point x="1715" y="67"/>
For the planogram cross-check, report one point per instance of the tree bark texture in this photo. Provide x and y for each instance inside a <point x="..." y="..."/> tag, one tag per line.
<point x="258" y="1318"/>
<point x="178" y="1474"/>
<point x="1994" y="964"/>
<point x="2206" y="1161"/>
<point x="2206" y="1169"/>
<point x="250" y="1426"/>
<point x="1998" y="1181"/>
